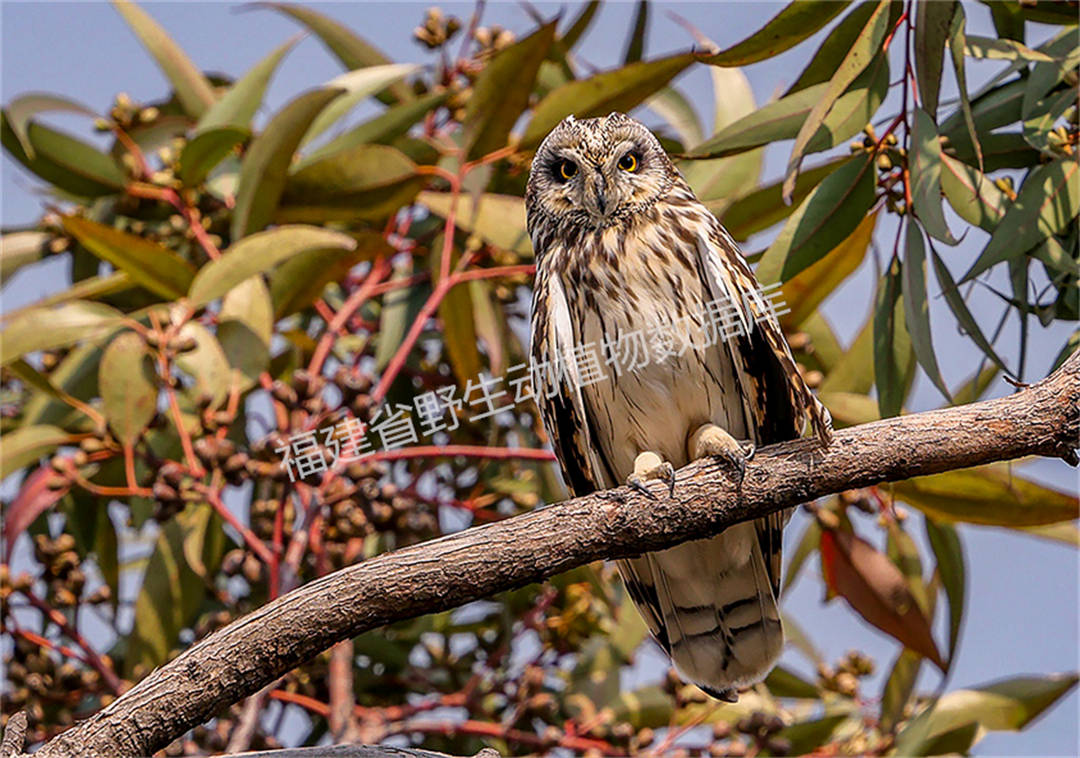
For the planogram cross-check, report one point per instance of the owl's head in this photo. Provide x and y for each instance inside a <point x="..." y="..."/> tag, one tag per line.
<point x="596" y="171"/>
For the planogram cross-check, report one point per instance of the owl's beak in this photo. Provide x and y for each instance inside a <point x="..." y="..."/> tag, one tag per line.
<point x="599" y="190"/>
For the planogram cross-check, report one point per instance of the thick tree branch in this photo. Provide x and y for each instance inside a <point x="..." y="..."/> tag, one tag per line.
<point x="481" y="561"/>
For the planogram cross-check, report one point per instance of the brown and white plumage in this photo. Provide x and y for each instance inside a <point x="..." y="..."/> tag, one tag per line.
<point x="620" y="250"/>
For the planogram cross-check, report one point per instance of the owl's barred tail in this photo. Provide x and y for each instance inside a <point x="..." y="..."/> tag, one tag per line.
<point x="719" y="618"/>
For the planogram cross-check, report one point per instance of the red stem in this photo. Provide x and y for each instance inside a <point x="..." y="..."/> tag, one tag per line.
<point x="257" y="545"/>
<point x="92" y="658"/>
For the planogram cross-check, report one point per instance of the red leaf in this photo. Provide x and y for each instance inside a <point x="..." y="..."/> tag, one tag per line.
<point x="876" y="589"/>
<point x="33" y="499"/>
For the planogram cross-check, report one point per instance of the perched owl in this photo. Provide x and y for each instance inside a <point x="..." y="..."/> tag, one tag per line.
<point x="624" y="251"/>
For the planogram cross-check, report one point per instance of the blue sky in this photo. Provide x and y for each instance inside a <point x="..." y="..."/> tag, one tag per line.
<point x="1022" y="609"/>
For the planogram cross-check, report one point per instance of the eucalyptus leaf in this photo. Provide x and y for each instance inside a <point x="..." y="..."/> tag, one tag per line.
<point x="266" y="163"/>
<point x="193" y="89"/>
<point x="258" y="253"/>
<point x="129" y="387"/>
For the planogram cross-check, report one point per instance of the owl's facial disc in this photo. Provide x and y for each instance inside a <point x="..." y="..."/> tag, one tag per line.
<point x="599" y="170"/>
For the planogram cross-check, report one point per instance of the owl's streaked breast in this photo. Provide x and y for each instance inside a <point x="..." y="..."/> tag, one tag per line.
<point x="640" y="278"/>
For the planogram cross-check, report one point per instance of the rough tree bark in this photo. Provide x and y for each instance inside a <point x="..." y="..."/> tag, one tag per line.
<point x="481" y="561"/>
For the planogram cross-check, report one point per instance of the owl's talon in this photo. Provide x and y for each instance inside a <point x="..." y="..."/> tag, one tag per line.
<point x="711" y="441"/>
<point x="635" y="482"/>
<point x="649" y="465"/>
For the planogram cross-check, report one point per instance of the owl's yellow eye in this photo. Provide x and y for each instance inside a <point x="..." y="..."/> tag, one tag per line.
<point x="629" y="162"/>
<point x="567" y="169"/>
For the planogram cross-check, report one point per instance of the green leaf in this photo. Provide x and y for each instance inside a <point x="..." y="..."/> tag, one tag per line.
<point x="1071" y="345"/>
<point x="149" y="264"/>
<point x="25" y="107"/>
<point x="850" y="408"/>
<point x="647" y="707"/>
<point x="892" y="345"/>
<point x="783" y="682"/>
<point x="67" y="163"/>
<point x="992" y="109"/>
<point x="926" y="177"/>
<point x="764" y="207"/>
<point x="1044" y="77"/>
<point x="76" y="375"/>
<point x="92" y="288"/>
<point x="258" y="253"/>
<point x="129" y="387"/>
<point x="245" y="329"/>
<point x="635" y="45"/>
<point x="238" y="105"/>
<point x="1064" y="532"/>
<point x="203" y="152"/>
<point x="724" y="179"/>
<point x="948" y="550"/>
<point x="398" y="310"/>
<point x="365" y="182"/>
<point x="807" y="736"/>
<point x="971" y="194"/>
<point x="107" y="555"/>
<point x="300" y="280"/>
<point x="999" y="150"/>
<point x="501" y="93"/>
<point x="1047" y="203"/>
<point x="173" y="591"/>
<point x="353" y="51"/>
<point x="580" y="25"/>
<point x="621" y="89"/>
<point x="1008" y="22"/>
<point x="459" y="332"/>
<point x="956" y="47"/>
<point x="837" y="44"/>
<point x="917" y="306"/>
<point x="490" y="324"/>
<point x="1010" y="704"/>
<point x="1044" y="115"/>
<point x="206" y="364"/>
<point x="806" y="290"/>
<point x="19" y="249"/>
<point x="266" y="164"/>
<point x="782" y="119"/>
<point x="991" y="495"/>
<point x="1001" y="49"/>
<point x="789" y="27"/>
<point x="828" y="215"/>
<point x="390" y="124"/>
<point x="499" y="220"/>
<point x="808" y="543"/>
<point x="933" y="19"/>
<point x="672" y="106"/>
<point x="898" y="688"/>
<point x="26" y="444"/>
<point x="46" y="328"/>
<point x="960" y="310"/>
<point x="193" y="90"/>
<point x="863" y="51"/>
<point x="854" y="371"/>
<point x="358" y="85"/>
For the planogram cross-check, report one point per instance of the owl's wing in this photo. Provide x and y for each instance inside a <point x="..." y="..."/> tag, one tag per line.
<point x="777" y="401"/>
<point x="557" y="392"/>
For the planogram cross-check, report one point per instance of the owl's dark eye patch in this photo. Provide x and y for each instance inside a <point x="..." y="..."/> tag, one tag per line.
<point x="564" y="170"/>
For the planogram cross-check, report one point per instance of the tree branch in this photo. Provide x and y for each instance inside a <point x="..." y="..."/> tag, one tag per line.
<point x="481" y="561"/>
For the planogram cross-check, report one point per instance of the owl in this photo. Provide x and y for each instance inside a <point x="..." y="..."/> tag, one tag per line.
<point x="634" y="378"/>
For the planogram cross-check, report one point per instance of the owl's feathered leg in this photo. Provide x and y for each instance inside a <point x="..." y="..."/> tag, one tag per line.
<point x="649" y="465"/>
<point x="713" y="441"/>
